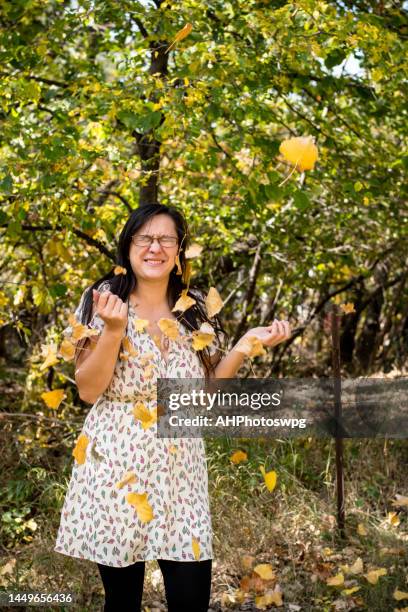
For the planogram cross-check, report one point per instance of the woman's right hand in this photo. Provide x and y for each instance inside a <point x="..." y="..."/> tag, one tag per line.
<point x="112" y="310"/>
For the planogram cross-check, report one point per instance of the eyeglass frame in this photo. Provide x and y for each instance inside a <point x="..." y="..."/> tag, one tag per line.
<point x="153" y="238"/>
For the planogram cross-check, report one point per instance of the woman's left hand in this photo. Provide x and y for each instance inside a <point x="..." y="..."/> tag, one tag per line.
<point x="273" y="334"/>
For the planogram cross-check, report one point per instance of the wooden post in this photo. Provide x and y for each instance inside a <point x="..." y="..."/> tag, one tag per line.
<point x="335" y="337"/>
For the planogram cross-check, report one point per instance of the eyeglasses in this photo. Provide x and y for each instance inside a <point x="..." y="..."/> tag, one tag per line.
<point x="145" y="240"/>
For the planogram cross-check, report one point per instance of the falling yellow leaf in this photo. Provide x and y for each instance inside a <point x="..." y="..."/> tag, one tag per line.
<point x="238" y="456"/>
<point x="119" y="270"/>
<point x="401" y="500"/>
<point x="143" y="508"/>
<point x="184" y="302"/>
<point x="148" y="371"/>
<point x="203" y="336"/>
<point x="361" y="530"/>
<point x="53" y="398"/>
<point x="156" y="340"/>
<point x="350" y="591"/>
<point x="178" y="264"/>
<point x="300" y="151"/>
<point x="400" y="595"/>
<point x="181" y="34"/>
<point x="270" y="478"/>
<point x="187" y="274"/>
<point x="128" y="349"/>
<point x="213" y="302"/>
<point x="142" y="413"/>
<point x="251" y="346"/>
<point x="80" y="331"/>
<point x="169" y="328"/>
<point x="79" y="451"/>
<point x="49" y="351"/>
<point x="265" y="571"/>
<point x="193" y="251"/>
<point x="336" y="580"/>
<point x="347" y="308"/>
<point x="141" y="324"/>
<point x="67" y="350"/>
<point x="127" y="478"/>
<point x="374" y="575"/>
<point x="195" y="544"/>
<point x="393" y="519"/>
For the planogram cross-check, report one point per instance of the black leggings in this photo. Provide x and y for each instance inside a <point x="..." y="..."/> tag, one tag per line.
<point x="187" y="585"/>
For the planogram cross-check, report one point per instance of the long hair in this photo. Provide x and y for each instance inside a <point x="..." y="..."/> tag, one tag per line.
<point x="122" y="285"/>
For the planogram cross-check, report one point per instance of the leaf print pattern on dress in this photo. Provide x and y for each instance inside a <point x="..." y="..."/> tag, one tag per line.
<point x="97" y="522"/>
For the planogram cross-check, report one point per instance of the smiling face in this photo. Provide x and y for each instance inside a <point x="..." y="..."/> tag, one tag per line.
<point x="155" y="261"/>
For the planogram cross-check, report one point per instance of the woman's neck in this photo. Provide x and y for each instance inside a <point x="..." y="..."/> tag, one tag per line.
<point x="150" y="296"/>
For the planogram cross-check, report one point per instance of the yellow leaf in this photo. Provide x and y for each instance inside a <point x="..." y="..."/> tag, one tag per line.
<point x="401" y="500"/>
<point x="119" y="270"/>
<point x="300" y="152"/>
<point x="336" y="580"/>
<point x="80" y="331"/>
<point x="213" y="302"/>
<point x="187" y="274"/>
<point x="268" y="598"/>
<point x="265" y="571"/>
<point x="393" y="519"/>
<point x="361" y="530"/>
<point x="129" y="349"/>
<point x="357" y="567"/>
<point x="142" y="413"/>
<point x="184" y="302"/>
<point x="140" y="324"/>
<point x="79" y="451"/>
<point x="195" y="544"/>
<point x="374" y="575"/>
<point x="178" y="264"/>
<point x="173" y="449"/>
<point x="49" y="351"/>
<point x="169" y="328"/>
<point x="399" y="595"/>
<point x="53" y="398"/>
<point x="350" y="591"/>
<point x="181" y="34"/>
<point x="67" y="350"/>
<point x="251" y="346"/>
<point x="347" y="308"/>
<point x="193" y="251"/>
<point x="270" y="478"/>
<point x="238" y="456"/>
<point x="202" y="337"/>
<point x="127" y="478"/>
<point x="145" y="358"/>
<point x="148" y="371"/>
<point x="143" y="508"/>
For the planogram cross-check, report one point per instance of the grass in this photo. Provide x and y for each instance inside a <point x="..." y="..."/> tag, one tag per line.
<point x="293" y="528"/>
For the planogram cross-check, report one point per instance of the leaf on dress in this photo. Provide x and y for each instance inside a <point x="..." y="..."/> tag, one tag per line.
<point x="173" y="449"/>
<point x="53" y="398"/>
<point x="202" y="337"/>
<point x="145" y="358"/>
<point x="213" y="302"/>
<point x="119" y="270"/>
<point x="184" y="302"/>
<point x="250" y="346"/>
<point x="148" y="371"/>
<point x="128" y="349"/>
<point x="142" y="506"/>
<point x="127" y="478"/>
<point x="195" y="544"/>
<point x="142" y="413"/>
<point x="169" y="328"/>
<point x="79" y="451"/>
<point x="141" y="324"/>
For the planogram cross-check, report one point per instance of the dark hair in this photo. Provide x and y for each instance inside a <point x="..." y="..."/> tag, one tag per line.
<point x="123" y="284"/>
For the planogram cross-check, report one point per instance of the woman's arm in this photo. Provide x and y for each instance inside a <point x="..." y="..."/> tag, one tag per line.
<point x="95" y="367"/>
<point x="270" y="336"/>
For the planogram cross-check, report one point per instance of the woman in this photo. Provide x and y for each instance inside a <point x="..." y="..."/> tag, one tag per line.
<point x="132" y="496"/>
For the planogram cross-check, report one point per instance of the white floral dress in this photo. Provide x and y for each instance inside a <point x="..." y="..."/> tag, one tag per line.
<point x="98" y="522"/>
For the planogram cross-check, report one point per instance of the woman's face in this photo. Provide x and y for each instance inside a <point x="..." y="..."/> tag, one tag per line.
<point x="154" y="262"/>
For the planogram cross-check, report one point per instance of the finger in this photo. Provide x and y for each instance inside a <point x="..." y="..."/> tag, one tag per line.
<point x="117" y="305"/>
<point x="95" y="296"/>
<point x="103" y="299"/>
<point x="287" y="329"/>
